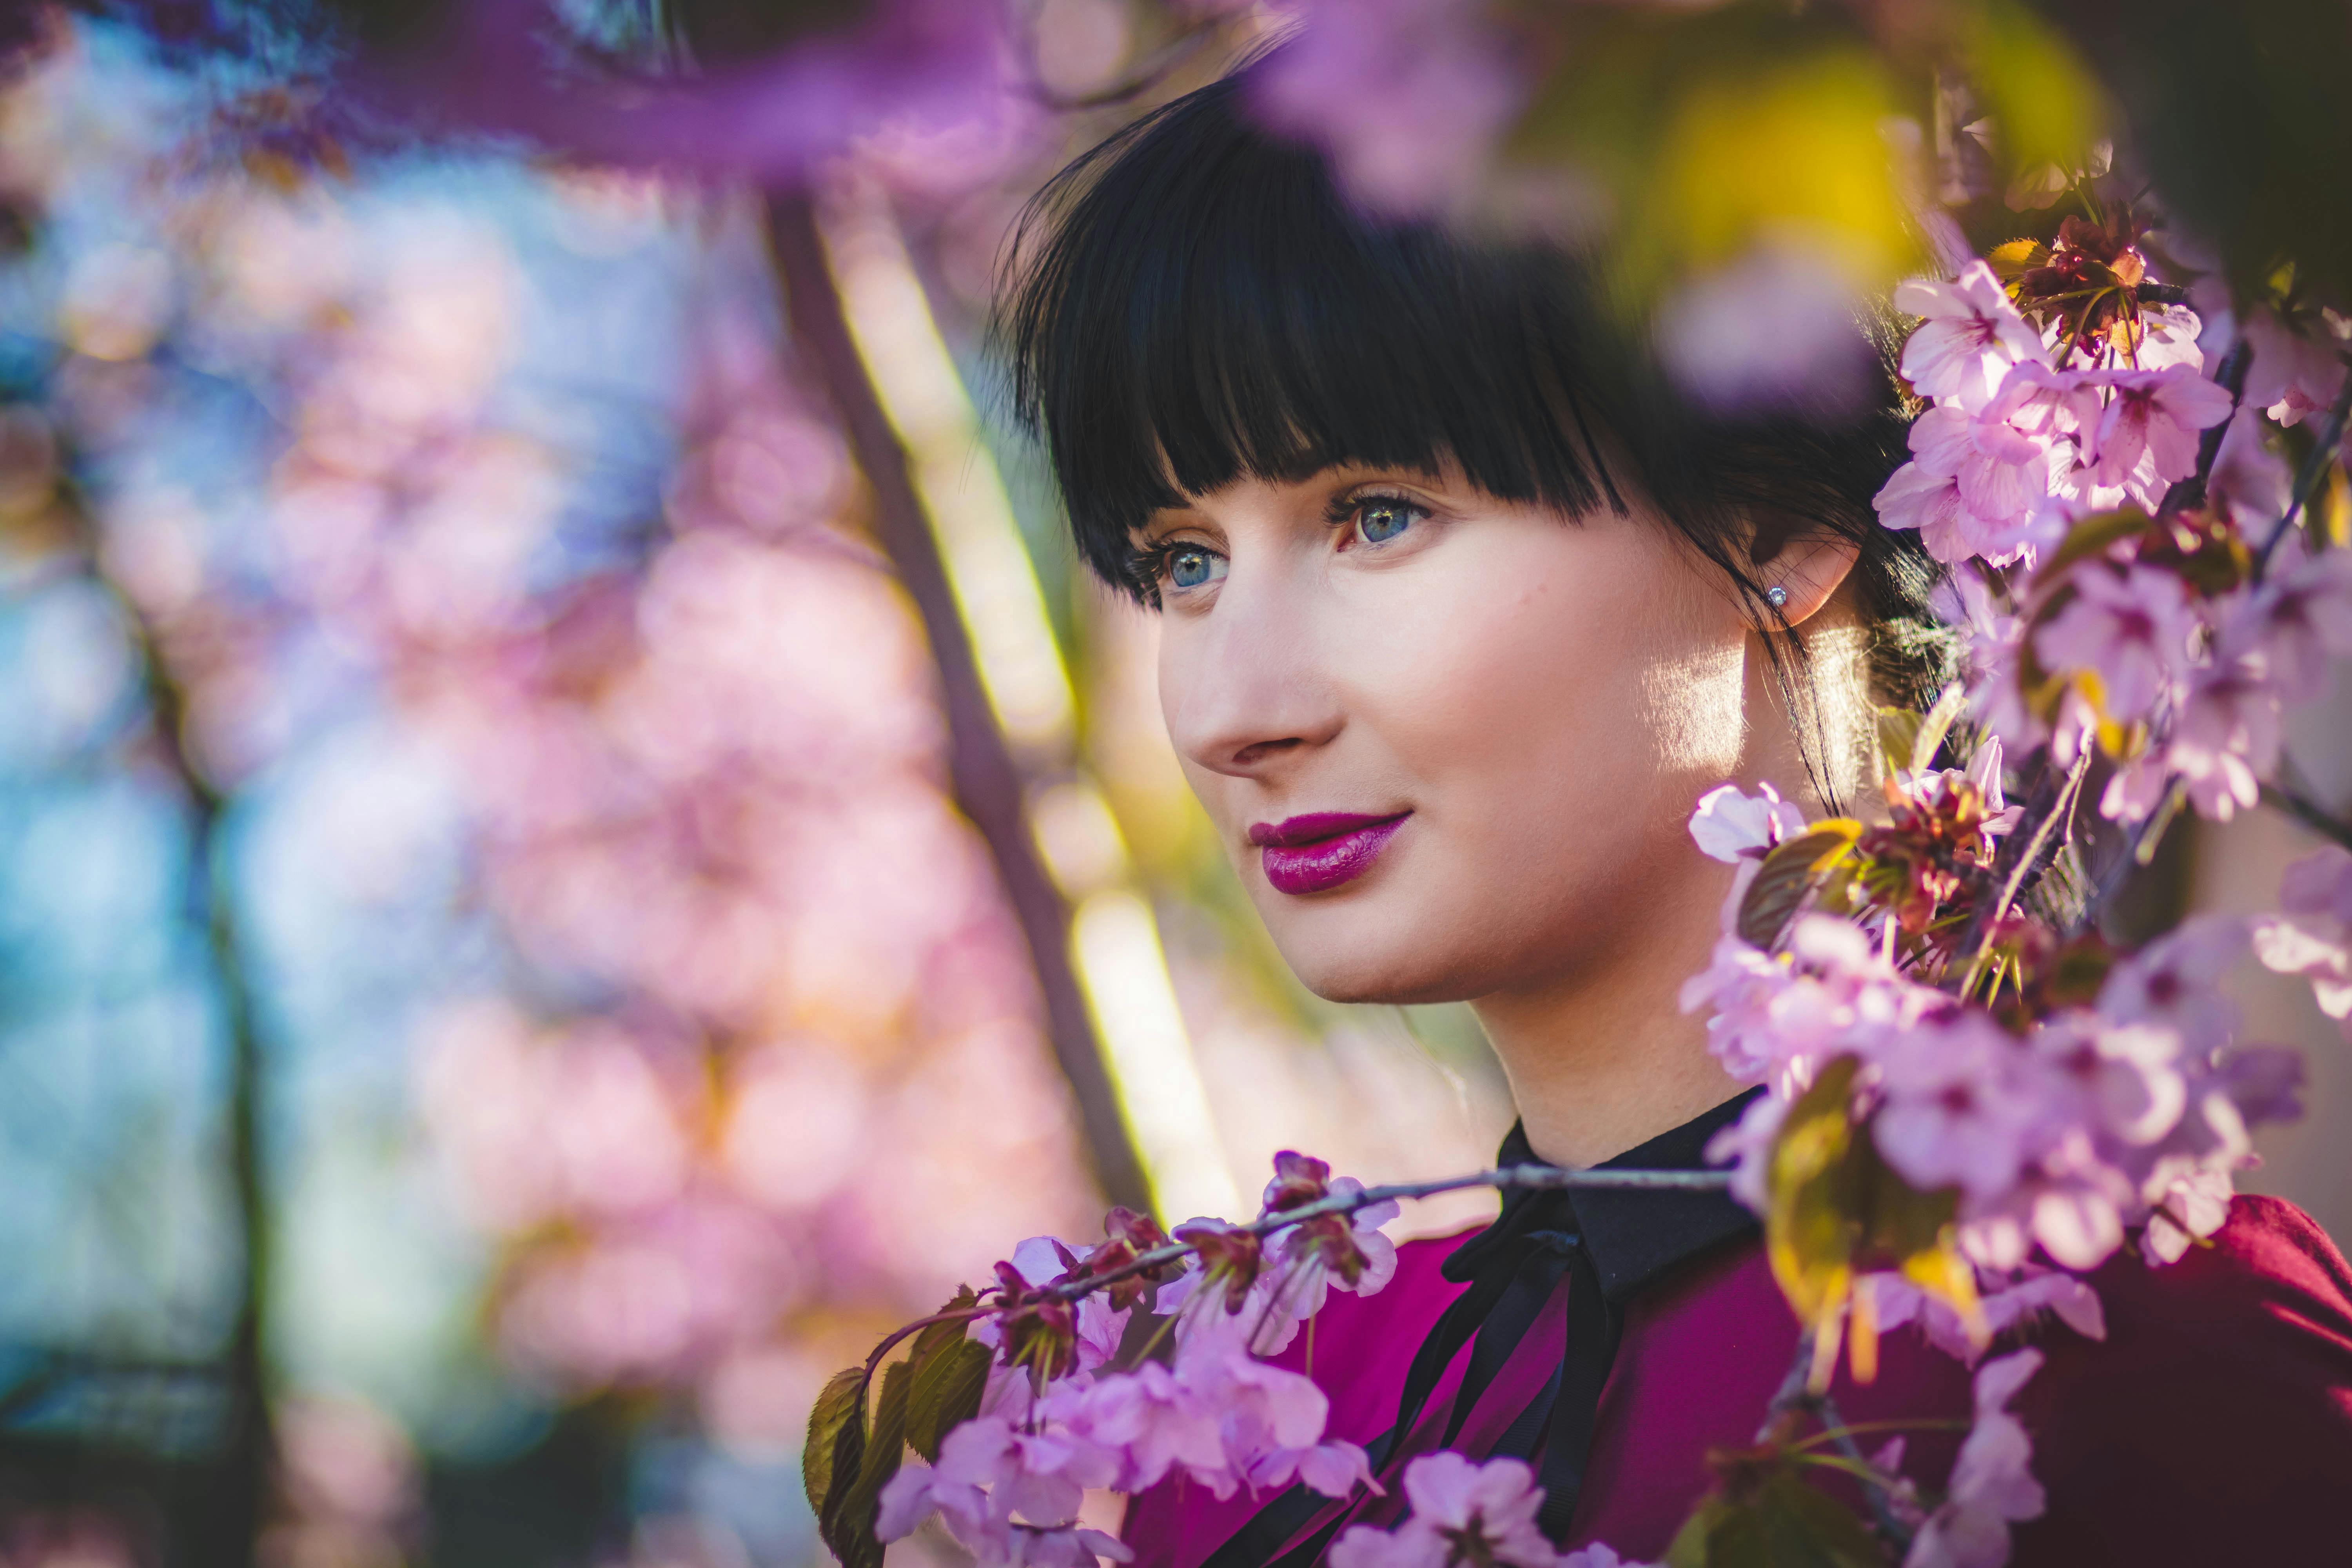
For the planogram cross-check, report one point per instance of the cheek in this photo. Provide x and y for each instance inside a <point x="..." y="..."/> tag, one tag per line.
<point x="1562" y="663"/>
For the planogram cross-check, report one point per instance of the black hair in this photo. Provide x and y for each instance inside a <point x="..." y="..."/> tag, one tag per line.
<point x="1196" y="299"/>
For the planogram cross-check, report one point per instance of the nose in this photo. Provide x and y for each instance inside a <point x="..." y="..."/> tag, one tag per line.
<point x="1244" y="688"/>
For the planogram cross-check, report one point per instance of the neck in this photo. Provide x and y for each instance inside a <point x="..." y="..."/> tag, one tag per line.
<point x="1604" y="1059"/>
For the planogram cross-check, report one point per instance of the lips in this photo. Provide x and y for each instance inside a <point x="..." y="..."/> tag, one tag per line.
<point x="1322" y="849"/>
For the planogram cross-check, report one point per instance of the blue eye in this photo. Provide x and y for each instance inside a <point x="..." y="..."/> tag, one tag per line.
<point x="1189" y="565"/>
<point x="1378" y="521"/>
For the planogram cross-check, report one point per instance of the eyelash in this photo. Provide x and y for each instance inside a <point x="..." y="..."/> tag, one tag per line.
<point x="1147" y="566"/>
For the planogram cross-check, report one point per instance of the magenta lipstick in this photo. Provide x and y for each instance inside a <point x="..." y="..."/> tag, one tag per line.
<point x="1320" y="850"/>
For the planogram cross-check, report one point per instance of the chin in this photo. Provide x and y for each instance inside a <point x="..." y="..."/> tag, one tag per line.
<point x="1364" y="954"/>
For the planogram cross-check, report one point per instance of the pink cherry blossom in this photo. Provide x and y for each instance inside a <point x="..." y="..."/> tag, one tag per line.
<point x="2188" y="1207"/>
<point x="2121" y="1081"/>
<point x="2169" y="335"/>
<point x="1311" y="1253"/>
<point x="2004" y="1307"/>
<point x="1335" y="1469"/>
<point x="1463" y="1512"/>
<point x="1153" y="1421"/>
<point x="2225" y="738"/>
<point x="2003" y="454"/>
<point x="1916" y="497"/>
<point x="1969" y="337"/>
<point x="1408" y="96"/>
<point x="2175" y="980"/>
<point x="1982" y="475"/>
<point x="2131" y="628"/>
<point x="2312" y="935"/>
<point x="1369" y="1546"/>
<point x="1992" y="636"/>
<point x="990" y="1481"/>
<point x="2293" y="374"/>
<point x="1598" y="1555"/>
<point x="1958" y="1109"/>
<point x="2152" y="413"/>
<point x="1993" y="1483"/>
<point x="1042" y="1260"/>
<point x="1730" y="825"/>
<point x="1745" y="1145"/>
<point x="2299" y="616"/>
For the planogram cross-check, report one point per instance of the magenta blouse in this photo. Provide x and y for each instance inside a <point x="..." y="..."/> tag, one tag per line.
<point x="2213" y="1424"/>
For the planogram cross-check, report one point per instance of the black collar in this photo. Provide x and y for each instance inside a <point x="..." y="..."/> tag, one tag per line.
<point x="1620" y="1240"/>
<point x="1633" y="1237"/>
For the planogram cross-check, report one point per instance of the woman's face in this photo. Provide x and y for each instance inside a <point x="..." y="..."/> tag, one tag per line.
<point x="1450" y="741"/>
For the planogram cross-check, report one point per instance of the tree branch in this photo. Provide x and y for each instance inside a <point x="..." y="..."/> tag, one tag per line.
<point x="2308" y="812"/>
<point x="1549" y="1178"/>
<point x="980" y="770"/>
<point x="2314" y="469"/>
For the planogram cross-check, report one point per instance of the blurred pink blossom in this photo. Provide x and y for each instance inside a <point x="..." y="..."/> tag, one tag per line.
<point x="2312" y="934"/>
<point x="1991" y="1484"/>
<point x="2130" y="628"/>
<point x="1408" y="96"/>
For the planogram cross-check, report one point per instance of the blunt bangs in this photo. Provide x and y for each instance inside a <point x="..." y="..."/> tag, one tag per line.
<point x="1195" y="300"/>
<point x="1205" y="305"/>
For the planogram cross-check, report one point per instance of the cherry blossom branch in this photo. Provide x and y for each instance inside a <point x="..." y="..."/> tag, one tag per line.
<point x="1539" y="1178"/>
<point x="1795" y="1397"/>
<point x="982" y="771"/>
<point x="2231" y="376"/>
<point x="2062" y="809"/>
<point x="2314" y="469"/>
<point x="1891" y="1527"/>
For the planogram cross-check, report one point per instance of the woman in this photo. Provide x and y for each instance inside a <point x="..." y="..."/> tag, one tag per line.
<point x="1462" y="606"/>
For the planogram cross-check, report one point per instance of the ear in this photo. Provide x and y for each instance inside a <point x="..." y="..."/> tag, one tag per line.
<point x="1808" y="564"/>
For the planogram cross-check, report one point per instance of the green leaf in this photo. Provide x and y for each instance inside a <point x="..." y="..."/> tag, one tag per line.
<point x="836" y="1449"/>
<point x="1898" y="739"/>
<point x="839" y="1406"/>
<point x="945" y="1392"/>
<point x="1811" y="1228"/>
<point x="1780" y="1524"/>
<point x="1789" y="873"/>
<point x="1807" y="1527"/>
<point x="848" y="1527"/>
<point x="1950" y="703"/>
<point x="2017" y="257"/>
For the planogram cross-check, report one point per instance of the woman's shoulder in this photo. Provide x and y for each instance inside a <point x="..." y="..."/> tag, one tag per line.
<point x="2267" y="1295"/>
<point x="2214" y="1417"/>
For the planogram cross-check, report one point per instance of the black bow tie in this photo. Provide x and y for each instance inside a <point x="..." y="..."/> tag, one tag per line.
<point x="1609" y="1243"/>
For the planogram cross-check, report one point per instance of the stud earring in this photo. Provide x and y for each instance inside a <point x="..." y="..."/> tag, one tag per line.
<point x="1777" y="597"/>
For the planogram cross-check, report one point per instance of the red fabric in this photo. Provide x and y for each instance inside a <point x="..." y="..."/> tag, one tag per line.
<point x="2213" y="1424"/>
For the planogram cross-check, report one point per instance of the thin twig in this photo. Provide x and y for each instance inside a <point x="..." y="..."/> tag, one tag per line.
<point x="2140" y="848"/>
<point x="2314" y="469"/>
<point x="1892" y="1529"/>
<point x="2308" y="812"/>
<point x="2231" y="376"/>
<point x="2062" y="809"/>
<point x="1543" y="1178"/>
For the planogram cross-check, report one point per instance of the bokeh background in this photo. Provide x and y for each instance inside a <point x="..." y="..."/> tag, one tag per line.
<point x="507" y="978"/>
